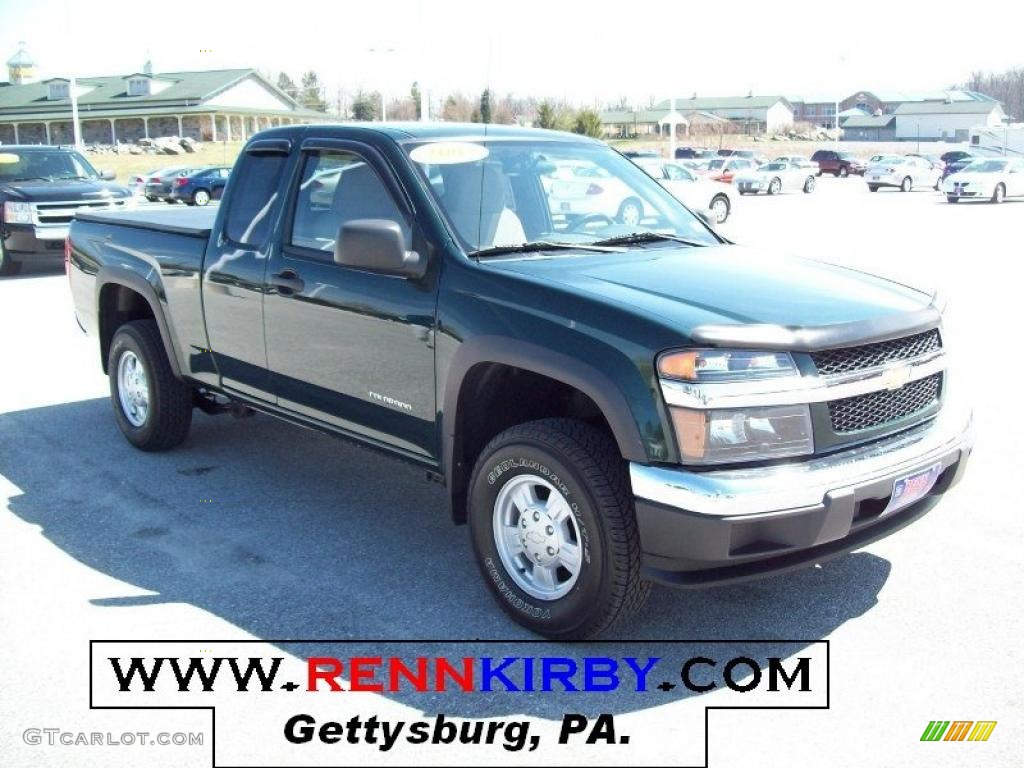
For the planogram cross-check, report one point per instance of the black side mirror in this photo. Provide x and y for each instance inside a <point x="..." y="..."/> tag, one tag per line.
<point x="108" y="175"/>
<point x="377" y="245"/>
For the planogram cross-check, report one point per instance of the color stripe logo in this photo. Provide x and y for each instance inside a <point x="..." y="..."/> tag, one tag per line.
<point x="958" y="730"/>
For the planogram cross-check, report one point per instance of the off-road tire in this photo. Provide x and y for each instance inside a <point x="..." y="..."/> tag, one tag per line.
<point x="170" y="399"/>
<point x="587" y="468"/>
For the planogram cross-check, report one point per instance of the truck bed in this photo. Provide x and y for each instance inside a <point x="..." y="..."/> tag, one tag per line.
<point x="178" y="220"/>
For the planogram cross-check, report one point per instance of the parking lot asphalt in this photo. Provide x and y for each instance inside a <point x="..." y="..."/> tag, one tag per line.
<point x="255" y="528"/>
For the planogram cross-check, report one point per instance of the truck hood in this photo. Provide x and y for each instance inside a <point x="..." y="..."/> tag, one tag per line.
<point x="688" y="287"/>
<point x="63" y="191"/>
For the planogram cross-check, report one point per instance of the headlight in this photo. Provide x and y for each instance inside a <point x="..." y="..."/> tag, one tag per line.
<point x="725" y="365"/>
<point x="743" y="434"/>
<point x="709" y="435"/>
<point x="18" y="213"/>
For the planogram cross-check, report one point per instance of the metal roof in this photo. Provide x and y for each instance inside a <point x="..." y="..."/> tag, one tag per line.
<point x="868" y="121"/>
<point x="109" y="95"/>
<point x="948" y="108"/>
<point x="708" y="103"/>
<point x="21" y="58"/>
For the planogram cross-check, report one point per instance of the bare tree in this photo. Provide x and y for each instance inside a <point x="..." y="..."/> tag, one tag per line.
<point x="1007" y="87"/>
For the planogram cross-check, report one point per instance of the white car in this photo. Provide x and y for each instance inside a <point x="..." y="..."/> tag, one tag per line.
<point x="580" y="188"/>
<point x="990" y="178"/>
<point x="775" y="177"/>
<point x="901" y="171"/>
<point x="689" y="188"/>
<point x="801" y="161"/>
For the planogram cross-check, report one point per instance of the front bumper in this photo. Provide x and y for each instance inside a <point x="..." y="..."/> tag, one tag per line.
<point x="701" y="528"/>
<point x="30" y="241"/>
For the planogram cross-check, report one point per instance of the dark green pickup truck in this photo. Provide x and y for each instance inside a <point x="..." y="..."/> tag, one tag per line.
<point x="612" y="393"/>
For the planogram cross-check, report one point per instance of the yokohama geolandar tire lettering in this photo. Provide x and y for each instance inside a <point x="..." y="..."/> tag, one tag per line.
<point x="585" y="467"/>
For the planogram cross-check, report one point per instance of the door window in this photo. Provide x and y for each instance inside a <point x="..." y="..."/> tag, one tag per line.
<point x="338" y="187"/>
<point x="252" y="202"/>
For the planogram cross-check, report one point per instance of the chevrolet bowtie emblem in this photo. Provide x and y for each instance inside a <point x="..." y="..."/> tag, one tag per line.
<point x="896" y="377"/>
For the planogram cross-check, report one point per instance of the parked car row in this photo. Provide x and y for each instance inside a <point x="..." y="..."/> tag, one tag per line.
<point x="192" y="185"/>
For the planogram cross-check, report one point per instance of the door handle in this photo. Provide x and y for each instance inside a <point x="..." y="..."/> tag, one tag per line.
<point x="287" y="282"/>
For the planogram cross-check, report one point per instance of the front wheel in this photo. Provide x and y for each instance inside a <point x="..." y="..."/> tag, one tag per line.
<point x="907" y="184"/>
<point x="809" y="185"/>
<point x="999" y="193"/>
<point x="774" y="187"/>
<point x="554" y="531"/>
<point x="8" y="266"/>
<point x="844" y="172"/>
<point x="151" y="406"/>
<point x="952" y="199"/>
<point x="872" y="187"/>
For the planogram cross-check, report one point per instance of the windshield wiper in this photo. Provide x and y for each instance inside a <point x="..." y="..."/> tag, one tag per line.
<point x="74" y="177"/>
<point x="543" y="245"/>
<point x="636" y="238"/>
<point x="32" y="178"/>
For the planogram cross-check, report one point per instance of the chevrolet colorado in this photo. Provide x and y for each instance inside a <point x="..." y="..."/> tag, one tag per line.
<point x="41" y="188"/>
<point x="608" y="403"/>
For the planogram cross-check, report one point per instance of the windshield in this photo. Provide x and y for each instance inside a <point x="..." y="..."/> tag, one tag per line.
<point x="986" y="166"/>
<point x="776" y="166"/>
<point x="504" y="193"/>
<point x="44" y="165"/>
<point x="886" y="159"/>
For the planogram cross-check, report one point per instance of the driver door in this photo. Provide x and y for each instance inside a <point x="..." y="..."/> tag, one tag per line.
<point x="345" y="347"/>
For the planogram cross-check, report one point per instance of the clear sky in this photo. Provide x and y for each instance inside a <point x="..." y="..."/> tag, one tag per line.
<point x="585" y="52"/>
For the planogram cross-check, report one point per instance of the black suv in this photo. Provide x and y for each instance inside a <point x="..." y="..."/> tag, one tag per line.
<point x="41" y="189"/>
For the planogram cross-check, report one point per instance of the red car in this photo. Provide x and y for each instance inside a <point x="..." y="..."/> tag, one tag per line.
<point x="838" y="163"/>
<point x="724" y="168"/>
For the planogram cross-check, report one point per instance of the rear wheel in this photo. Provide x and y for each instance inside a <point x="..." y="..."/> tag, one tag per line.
<point x="151" y="198"/>
<point x="200" y="197"/>
<point x="843" y="171"/>
<point x="720" y="208"/>
<point x="151" y="406"/>
<point x="907" y="184"/>
<point x="630" y="212"/>
<point x="999" y="193"/>
<point x="8" y="266"/>
<point x="554" y="530"/>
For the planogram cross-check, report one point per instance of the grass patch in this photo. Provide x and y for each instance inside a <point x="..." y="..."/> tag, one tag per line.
<point x="126" y="166"/>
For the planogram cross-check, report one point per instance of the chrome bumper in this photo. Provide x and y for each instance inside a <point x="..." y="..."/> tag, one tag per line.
<point x="800" y="485"/>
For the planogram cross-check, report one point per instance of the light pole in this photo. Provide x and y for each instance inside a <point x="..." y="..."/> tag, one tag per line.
<point x="76" y="128"/>
<point x="383" y="90"/>
<point x="672" y="127"/>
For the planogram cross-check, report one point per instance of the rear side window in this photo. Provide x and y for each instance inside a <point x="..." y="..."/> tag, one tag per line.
<point x="253" y="198"/>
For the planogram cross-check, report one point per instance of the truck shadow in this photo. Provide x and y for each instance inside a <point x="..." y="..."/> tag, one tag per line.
<point x="287" y="533"/>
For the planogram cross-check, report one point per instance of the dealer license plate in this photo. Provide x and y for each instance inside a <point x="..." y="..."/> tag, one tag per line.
<point x="907" y="490"/>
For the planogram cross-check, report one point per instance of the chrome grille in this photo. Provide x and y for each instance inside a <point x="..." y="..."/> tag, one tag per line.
<point x="833" y="362"/>
<point x="64" y="212"/>
<point x="878" y="408"/>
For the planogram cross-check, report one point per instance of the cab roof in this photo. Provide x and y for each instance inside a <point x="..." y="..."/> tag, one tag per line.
<point x="402" y="131"/>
